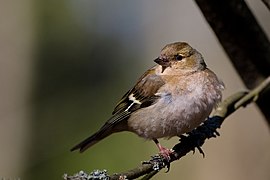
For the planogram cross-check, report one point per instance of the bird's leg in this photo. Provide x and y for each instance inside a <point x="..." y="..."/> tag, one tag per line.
<point x="164" y="152"/>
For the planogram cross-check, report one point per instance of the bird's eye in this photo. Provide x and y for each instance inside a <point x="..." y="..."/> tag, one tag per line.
<point x="178" y="57"/>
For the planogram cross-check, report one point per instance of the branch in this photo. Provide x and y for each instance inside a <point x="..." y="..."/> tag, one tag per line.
<point x="244" y="41"/>
<point x="266" y="3"/>
<point x="191" y="141"/>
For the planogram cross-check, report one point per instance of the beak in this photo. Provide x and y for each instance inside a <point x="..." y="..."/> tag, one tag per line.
<point x="163" y="62"/>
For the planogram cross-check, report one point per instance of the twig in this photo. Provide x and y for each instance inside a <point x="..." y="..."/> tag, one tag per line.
<point x="191" y="141"/>
<point x="266" y="3"/>
<point x="150" y="175"/>
<point x="253" y="95"/>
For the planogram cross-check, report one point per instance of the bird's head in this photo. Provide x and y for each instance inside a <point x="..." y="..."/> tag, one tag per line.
<point x="180" y="57"/>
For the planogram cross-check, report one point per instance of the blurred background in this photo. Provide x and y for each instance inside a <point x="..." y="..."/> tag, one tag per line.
<point x="65" y="64"/>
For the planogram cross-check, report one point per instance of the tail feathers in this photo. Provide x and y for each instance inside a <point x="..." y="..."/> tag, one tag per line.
<point x="116" y="124"/>
<point x="92" y="140"/>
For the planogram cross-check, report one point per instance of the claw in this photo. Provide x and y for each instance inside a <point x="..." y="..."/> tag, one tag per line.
<point x="164" y="152"/>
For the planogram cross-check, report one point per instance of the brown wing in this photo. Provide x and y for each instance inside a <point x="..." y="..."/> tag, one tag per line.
<point x="142" y="94"/>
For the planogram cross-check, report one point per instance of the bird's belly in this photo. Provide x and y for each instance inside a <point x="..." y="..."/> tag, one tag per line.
<point x="170" y="117"/>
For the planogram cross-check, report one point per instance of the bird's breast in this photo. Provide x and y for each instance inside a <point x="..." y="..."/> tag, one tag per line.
<point x="178" y="110"/>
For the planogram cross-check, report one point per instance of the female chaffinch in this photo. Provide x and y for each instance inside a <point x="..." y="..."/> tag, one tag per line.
<point x="170" y="99"/>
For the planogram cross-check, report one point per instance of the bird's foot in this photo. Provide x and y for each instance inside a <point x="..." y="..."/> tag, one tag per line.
<point x="165" y="152"/>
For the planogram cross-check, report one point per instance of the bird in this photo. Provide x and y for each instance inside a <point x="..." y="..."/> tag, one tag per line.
<point x="170" y="99"/>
